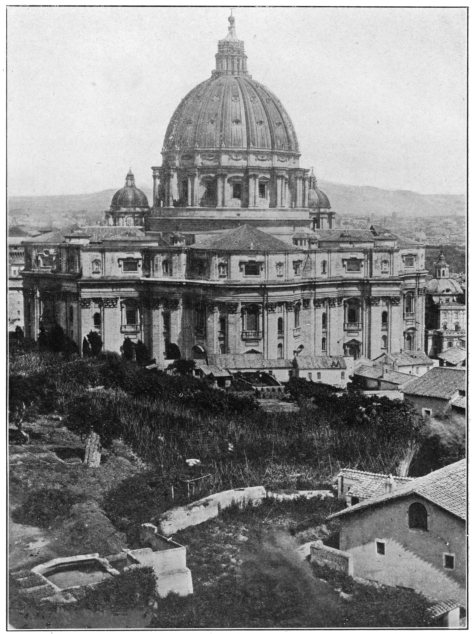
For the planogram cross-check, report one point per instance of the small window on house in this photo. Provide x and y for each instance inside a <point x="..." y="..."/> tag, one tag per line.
<point x="310" y="376"/>
<point x="383" y="343"/>
<point x="296" y="316"/>
<point x="418" y="516"/>
<point x="409" y="303"/>
<point x="279" y="269"/>
<point x="324" y="267"/>
<point x="449" y="561"/>
<point x="96" y="266"/>
<point x="354" y="500"/>
<point x="237" y="190"/>
<point x="297" y="267"/>
<point x="353" y="265"/>
<point x="426" y="412"/>
<point x="380" y="547"/>
<point x="384" y="266"/>
<point x="97" y="320"/>
<point x="318" y="376"/>
<point x="166" y="267"/>
<point x="409" y="260"/>
<point x="280" y="351"/>
<point x="323" y="344"/>
<point x="252" y="268"/>
<point x="130" y="266"/>
<point x="324" y="321"/>
<point x="222" y="269"/>
<point x="262" y="190"/>
<point x="384" y="319"/>
<point x="343" y="375"/>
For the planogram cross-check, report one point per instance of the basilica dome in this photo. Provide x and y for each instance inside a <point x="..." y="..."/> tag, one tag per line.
<point x="231" y="110"/>
<point x="129" y="196"/>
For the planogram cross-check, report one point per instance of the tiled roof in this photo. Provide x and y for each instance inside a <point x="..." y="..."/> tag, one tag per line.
<point x="308" y="362"/>
<point x="247" y="362"/>
<point x="438" y="609"/>
<point x="399" y="378"/>
<point x="460" y="402"/>
<point x="406" y="358"/>
<point x="437" y="383"/>
<point x="209" y="369"/>
<point x="453" y="355"/>
<point x="345" y="235"/>
<point x="445" y="488"/>
<point x="404" y="243"/>
<point x="369" y="484"/>
<point x="245" y="238"/>
<point x="99" y="233"/>
<point x="368" y="372"/>
<point x="52" y="237"/>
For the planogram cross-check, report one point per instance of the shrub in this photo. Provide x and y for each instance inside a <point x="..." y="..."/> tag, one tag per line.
<point x="130" y="589"/>
<point x="42" y="508"/>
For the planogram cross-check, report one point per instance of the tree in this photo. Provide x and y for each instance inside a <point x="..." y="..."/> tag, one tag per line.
<point x="95" y="342"/>
<point x="185" y="367"/>
<point x="94" y="417"/>
<point x="128" y="349"/>
<point x="57" y="338"/>
<point x="43" y="339"/>
<point x="86" y="350"/>
<point x="142" y="354"/>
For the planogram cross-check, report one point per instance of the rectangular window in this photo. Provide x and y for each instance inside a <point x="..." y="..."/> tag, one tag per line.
<point x="131" y="317"/>
<point x="309" y="376"/>
<point x="426" y="412"/>
<point x="318" y="376"/>
<point x="449" y="561"/>
<point x="237" y="190"/>
<point x="297" y="267"/>
<point x="130" y="266"/>
<point x="262" y="190"/>
<point x="252" y="268"/>
<point x="409" y="260"/>
<point x="353" y="265"/>
<point x="380" y="547"/>
<point x="343" y="375"/>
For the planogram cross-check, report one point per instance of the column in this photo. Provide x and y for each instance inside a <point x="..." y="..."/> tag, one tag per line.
<point x="155" y="185"/>
<point x="220" y="190"/>
<point x="157" y="339"/>
<point x="305" y="191"/>
<point x="299" y="197"/>
<point x="174" y="190"/>
<point x="279" y="191"/>
<point x="251" y="191"/>
<point x="189" y="191"/>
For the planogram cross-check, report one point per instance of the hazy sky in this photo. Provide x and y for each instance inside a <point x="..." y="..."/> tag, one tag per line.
<point x="377" y="96"/>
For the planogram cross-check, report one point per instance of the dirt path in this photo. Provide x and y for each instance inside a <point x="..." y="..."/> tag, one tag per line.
<point x="28" y="545"/>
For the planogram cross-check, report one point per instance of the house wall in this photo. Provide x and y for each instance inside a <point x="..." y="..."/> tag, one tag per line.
<point x="438" y="406"/>
<point x="413" y="558"/>
<point x="335" y="377"/>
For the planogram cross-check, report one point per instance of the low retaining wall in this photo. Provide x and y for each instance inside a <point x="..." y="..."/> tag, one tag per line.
<point x="307" y="495"/>
<point x="331" y="557"/>
<point x="208" y="508"/>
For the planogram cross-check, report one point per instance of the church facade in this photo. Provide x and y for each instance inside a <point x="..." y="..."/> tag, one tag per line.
<point x="238" y="252"/>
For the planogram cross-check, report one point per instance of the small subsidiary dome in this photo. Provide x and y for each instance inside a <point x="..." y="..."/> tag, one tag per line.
<point x="316" y="198"/>
<point x="129" y="196"/>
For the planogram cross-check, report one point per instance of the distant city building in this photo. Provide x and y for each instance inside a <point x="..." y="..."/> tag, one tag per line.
<point x="239" y="253"/>
<point x="445" y="311"/>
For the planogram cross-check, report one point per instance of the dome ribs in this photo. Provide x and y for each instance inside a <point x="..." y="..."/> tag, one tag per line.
<point x="201" y="123"/>
<point x="259" y="139"/>
<point x="276" y="112"/>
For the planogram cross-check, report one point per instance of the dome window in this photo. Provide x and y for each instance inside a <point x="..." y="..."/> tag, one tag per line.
<point x="260" y="122"/>
<point x="188" y="121"/>
<point x="236" y="121"/>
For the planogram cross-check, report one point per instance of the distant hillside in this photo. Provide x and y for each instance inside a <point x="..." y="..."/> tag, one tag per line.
<point x="345" y="200"/>
<point x="365" y="200"/>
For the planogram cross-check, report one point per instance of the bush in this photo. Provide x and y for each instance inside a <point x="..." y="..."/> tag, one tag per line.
<point x="130" y="589"/>
<point x="42" y="508"/>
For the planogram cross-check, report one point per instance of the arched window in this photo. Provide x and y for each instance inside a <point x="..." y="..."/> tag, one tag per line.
<point x="97" y="320"/>
<point x="251" y="318"/>
<point x="166" y="267"/>
<point x="280" y="326"/>
<point x="280" y="351"/>
<point x="323" y="344"/>
<point x="296" y="315"/>
<point x="324" y="267"/>
<point x="384" y="320"/>
<point x="409" y="341"/>
<point x="352" y="311"/>
<point x="96" y="266"/>
<point x="383" y="343"/>
<point x="324" y="321"/>
<point x="409" y="303"/>
<point x="418" y="516"/>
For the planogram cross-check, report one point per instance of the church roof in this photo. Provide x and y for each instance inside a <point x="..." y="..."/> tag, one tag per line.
<point x="245" y="239"/>
<point x="454" y="356"/>
<point x="230" y="110"/>
<point x="129" y="196"/>
<point x="443" y="286"/>
<point x="445" y="488"/>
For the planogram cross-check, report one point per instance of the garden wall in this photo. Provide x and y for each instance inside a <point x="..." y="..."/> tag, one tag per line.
<point x="331" y="557"/>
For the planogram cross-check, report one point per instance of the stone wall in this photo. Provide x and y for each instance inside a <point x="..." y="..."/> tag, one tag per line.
<point x="327" y="556"/>
<point x="208" y="508"/>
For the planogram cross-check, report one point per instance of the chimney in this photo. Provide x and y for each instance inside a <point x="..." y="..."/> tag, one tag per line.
<point x="389" y="484"/>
